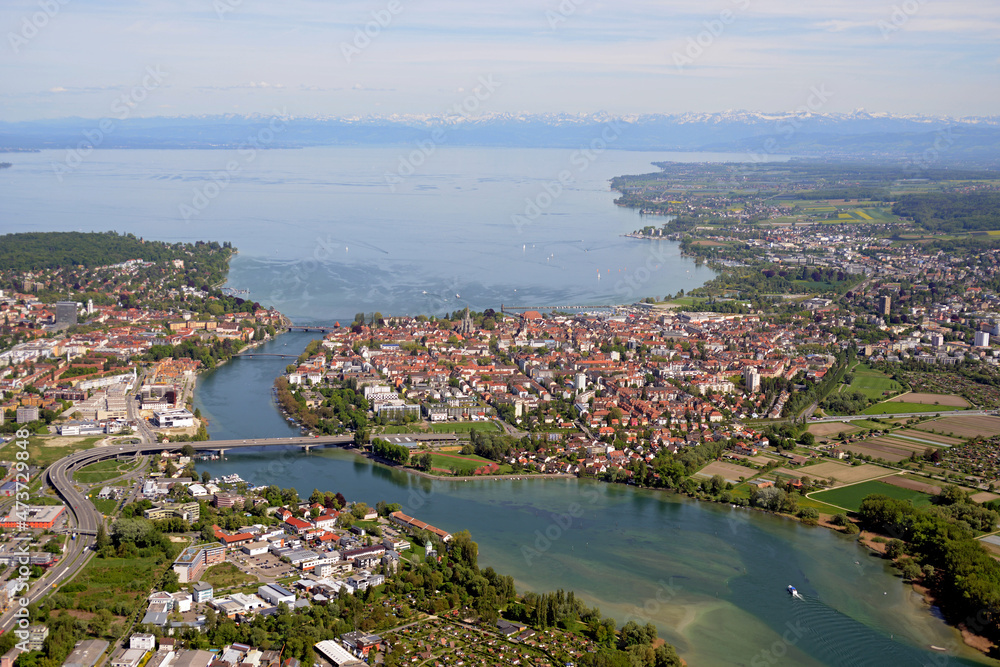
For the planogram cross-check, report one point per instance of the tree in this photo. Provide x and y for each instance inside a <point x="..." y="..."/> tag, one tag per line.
<point x="894" y="549"/>
<point x="102" y="540"/>
<point x="910" y="569"/>
<point x="205" y="477"/>
<point x="809" y="516"/>
<point x="717" y="484"/>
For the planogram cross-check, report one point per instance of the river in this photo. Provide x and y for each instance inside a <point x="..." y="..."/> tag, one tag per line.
<point x="711" y="577"/>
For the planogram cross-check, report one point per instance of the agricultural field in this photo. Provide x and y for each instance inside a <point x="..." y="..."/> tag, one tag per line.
<point x="730" y="471"/>
<point x="889" y="449"/>
<point x="868" y="424"/>
<point x="948" y="382"/>
<point x="872" y="383"/>
<point x="941" y="440"/>
<point x="843" y="473"/>
<point x="964" y="427"/>
<point x="850" y="497"/>
<point x="907" y="482"/>
<point x="831" y="429"/>
<point x="950" y="400"/>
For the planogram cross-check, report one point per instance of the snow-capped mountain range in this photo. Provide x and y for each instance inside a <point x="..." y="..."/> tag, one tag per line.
<point x="859" y="133"/>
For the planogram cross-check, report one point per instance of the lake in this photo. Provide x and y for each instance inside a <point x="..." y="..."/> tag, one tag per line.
<point x="322" y="235"/>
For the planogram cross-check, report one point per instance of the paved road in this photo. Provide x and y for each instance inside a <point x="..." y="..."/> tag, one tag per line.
<point x="906" y="415"/>
<point x="84" y="518"/>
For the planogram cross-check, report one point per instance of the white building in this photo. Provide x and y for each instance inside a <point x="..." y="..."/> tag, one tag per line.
<point x="173" y="419"/>
<point x="982" y="339"/>
<point x="276" y="594"/>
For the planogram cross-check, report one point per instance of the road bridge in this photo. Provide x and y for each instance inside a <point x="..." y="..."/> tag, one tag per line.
<point x="251" y="355"/>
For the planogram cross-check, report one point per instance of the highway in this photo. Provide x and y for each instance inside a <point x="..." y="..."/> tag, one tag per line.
<point x="84" y="518"/>
<point x="905" y="415"/>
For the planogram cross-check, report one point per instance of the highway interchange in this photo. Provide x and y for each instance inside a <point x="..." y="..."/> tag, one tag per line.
<point x="83" y="517"/>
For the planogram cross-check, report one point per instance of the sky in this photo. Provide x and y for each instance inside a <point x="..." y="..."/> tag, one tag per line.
<point x="98" y="58"/>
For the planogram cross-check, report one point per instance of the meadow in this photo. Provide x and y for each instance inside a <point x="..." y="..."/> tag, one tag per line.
<point x="850" y="497"/>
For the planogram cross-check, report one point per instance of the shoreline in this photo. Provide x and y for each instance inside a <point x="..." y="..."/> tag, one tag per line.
<point x="981" y="646"/>
<point x="970" y="639"/>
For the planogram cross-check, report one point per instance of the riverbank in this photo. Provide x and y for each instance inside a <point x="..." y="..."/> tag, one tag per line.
<point x="452" y="478"/>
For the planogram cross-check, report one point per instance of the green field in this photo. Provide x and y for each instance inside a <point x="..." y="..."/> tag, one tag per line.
<point x="226" y="575"/>
<point x="817" y="505"/>
<point x="44" y="451"/>
<point x="464" y="427"/>
<point x="103" y="505"/>
<point x="464" y="464"/>
<point x="897" y="407"/>
<point x="104" y="470"/>
<point x="872" y="383"/>
<point x="394" y="429"/>
<point x="106" y="580"/>
<point x="850" y="497"/>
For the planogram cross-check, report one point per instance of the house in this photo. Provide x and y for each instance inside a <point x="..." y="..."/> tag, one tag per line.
<point x="146" y="642"/>
<point x="298" y="526"/>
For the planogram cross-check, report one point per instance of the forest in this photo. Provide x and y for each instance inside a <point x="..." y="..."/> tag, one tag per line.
<point x="965" y="576"/>
<point x="951" y="212"/>
<point x="32" y="251"/>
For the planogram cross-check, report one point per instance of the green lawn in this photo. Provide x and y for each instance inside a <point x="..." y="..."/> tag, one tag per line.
<point x="850" y="497"/>
<point x="393" y="429"/>
<point x="464" y="427"/>
<point x="226" y="575"/>
<point x="872" y="383"/>
<point x="46" y="450"/>
<point x="104" y="506"/>
<point x="897" y="407"/>
<point x="104" y="470"/>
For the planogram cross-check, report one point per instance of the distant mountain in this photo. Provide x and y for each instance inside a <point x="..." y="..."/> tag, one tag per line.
<point x="855" y="134"/>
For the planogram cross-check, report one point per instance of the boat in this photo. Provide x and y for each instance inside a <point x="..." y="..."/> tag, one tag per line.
<point x="938" y="648"/>
<point x="792" y="591"/>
